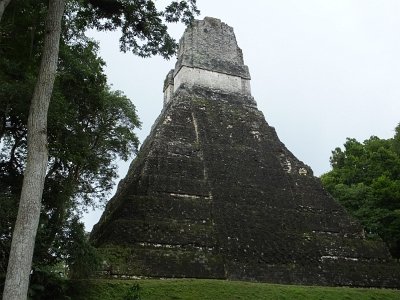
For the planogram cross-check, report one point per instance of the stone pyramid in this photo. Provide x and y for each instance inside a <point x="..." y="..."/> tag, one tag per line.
<point x="214" y="193"/>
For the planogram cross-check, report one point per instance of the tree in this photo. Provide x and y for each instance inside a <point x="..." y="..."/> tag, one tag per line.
<point x="23" y="241"/>
<point x="139" y="20"/>
<point x="88" y="126"/>
<point x="365" y="178"/>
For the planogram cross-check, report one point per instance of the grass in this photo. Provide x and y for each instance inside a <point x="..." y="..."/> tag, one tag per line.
<point x="187" y="289"/>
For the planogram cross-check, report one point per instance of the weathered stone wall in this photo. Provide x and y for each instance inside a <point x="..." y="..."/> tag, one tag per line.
<point x="168" y="87"/>
<point x="210" y="44"/>
<point x="212" y="80"/>
<point x="210" y="57"/>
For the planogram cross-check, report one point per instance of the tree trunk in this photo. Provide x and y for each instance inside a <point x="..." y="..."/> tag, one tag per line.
<point x="23" y="240"/>
<point x="3" y="5"/>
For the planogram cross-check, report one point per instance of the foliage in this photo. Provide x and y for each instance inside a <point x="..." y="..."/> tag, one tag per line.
<point x="89" y="126"/>
<point x="87" y="131"/>
<point x="143" y="27"/>
<point x="78" y="254"/>
<point x="365" y="178"/>
<point x="47" y="284"/>
<point x="217" y="289"/>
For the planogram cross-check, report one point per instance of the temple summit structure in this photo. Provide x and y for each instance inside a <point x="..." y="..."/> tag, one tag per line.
<point x="214" y="193"/>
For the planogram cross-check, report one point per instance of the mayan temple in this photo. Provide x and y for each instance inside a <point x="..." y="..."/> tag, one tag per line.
<point x="214" y="193"/>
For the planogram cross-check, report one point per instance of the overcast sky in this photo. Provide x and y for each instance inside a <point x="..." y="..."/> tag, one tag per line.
<point x="322" y="70"/>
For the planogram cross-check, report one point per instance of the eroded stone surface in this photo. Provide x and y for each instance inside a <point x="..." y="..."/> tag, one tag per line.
<point x="211" y="45"/>
<point x="209" y="57"/>
<point x="213" y="193"/>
